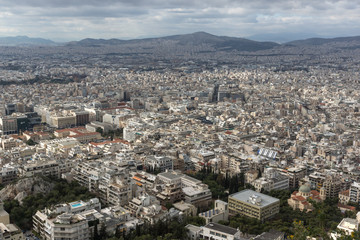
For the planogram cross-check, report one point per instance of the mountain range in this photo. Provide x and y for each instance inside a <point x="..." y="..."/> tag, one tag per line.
<point x="222" y="43"/>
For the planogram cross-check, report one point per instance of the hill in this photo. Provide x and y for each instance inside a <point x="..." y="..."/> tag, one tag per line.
<point x="322" y="41"/>
<point x="220" y="43"/>
<point x="25" y="41"/>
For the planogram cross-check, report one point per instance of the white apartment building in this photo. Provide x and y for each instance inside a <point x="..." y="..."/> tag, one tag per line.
<point x="355" y="192"/>
<point x="113" y="183"/>
<point x="271" y="180"/>
<point x="159" y="163"/>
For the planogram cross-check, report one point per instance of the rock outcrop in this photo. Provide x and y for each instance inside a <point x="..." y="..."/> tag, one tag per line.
<point x="24" y="187"/>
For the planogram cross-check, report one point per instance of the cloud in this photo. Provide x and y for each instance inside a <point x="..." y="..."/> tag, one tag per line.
<point x="71" y="20"/>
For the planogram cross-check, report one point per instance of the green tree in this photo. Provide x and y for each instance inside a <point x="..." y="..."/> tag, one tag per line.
<point x="300" y="232"/>
<point x="100" y="130"/>
<point x="30" y="142"/>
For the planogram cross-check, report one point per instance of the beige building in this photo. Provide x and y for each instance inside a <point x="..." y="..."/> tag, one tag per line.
<point x="4" y="216"/>
<point x="251" y="176"/>
<point x="10" y="232"/>
<point x="9" y="143"/>
<point x="8" y="125"/>
<point x="187" y="208"/>
<point x="63" y="121"/>
<point x="344" y="197"/>
<point x="253" y="204"/>
<point x="332" y="186"/>
<point x="79" y="133"/>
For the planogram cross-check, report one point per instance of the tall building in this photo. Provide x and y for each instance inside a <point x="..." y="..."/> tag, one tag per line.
<point x="113" y="183"/>
<point x="8" y="125"/>
<point x="294" y="174"/>
<point x="177" y="186"/>
<point x="66" y="221"/>
<point x="332" y="186"/>
<point x="82" y="118"/>
<point x="10" y="108"/>
<point x="355" y="192"/>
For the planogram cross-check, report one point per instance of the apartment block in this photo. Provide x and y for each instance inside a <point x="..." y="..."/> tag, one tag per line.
<point x="294" y="174"/>
<point x="113" y="183"/>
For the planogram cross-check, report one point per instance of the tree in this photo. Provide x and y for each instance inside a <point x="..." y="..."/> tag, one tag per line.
<point x="100" y="130"/>
<point x="62" y="192"/>
<point x="169" y="205"/>
<point x="300" y="232"/>
<point x="30" y="142"/>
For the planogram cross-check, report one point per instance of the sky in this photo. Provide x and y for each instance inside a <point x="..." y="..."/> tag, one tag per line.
<point x="65" y="20"/>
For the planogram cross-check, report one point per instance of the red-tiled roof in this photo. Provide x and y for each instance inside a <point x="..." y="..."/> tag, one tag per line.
<point x="345" y="193"/>
<point x="70" y="129"/>
<point x="351" y="208"/>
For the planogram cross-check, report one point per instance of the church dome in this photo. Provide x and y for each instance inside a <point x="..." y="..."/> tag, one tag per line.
<point x="304" y="189"/>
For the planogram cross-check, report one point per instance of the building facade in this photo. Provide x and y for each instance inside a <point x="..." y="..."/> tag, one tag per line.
<point x="253" y="204"/>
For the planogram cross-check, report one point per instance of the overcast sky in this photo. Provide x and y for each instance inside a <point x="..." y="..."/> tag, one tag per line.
<point x="124" y="19"/>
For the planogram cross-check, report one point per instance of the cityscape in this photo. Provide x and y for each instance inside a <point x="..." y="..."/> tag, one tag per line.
<point x="191" y="135"/>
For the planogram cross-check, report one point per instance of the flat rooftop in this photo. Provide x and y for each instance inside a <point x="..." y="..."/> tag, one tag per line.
<point x="170" y="175"/>
<point x="221" y="228"/>
<point x="349" y="223"/>
<point x="247" y="194"/>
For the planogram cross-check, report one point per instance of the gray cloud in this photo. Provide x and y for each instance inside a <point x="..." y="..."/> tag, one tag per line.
<point x="69" y="19"/>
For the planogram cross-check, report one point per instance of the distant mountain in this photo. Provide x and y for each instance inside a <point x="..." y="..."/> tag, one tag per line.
<point x="207" y="42"/>
<point x="194" y="39"/>
<point x="282" y="37"/>
<point x="321" y="41"/>
<point x="90" y="42"/>
<point x="25" y="41"/>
